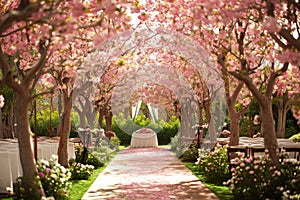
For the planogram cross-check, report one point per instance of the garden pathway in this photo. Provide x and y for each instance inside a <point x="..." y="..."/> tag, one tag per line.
<point x="145" y="174"/>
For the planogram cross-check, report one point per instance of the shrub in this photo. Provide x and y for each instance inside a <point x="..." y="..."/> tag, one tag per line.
<point x="258" y="178"/>
<point x="169" y="130"/>
<point x="54" y="178"/>
<point x="115" y="141"/>
<point x="43" y="122"/>
<point x="81" y="171"/>
<point x="214" y="166"/>
<point x="190" y="155"/>
<point x="21" y="192"/>
<point x="97" y="159"/>
<point x="125" y="127"/>
<point x="178" y="145"/>
<point x="96" y="155"/>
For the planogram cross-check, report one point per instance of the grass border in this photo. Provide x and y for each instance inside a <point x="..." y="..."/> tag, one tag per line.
<point x="80" y="187"/>
<point x="222" y="192"/>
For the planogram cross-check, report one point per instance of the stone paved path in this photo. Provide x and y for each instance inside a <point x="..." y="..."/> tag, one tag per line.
<point x="146" y="174"/>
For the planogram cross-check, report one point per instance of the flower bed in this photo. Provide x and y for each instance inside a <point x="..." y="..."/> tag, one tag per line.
<point x="259" y="178"/>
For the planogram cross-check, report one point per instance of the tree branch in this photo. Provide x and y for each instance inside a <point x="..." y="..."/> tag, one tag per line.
<point x="273" y="76"/>
<point x="7" y="74"/>
<point x="43" y="49"/>
<point x="249" y="83"/>
<point x="290" y="39"/>
<point x="18" y="15"/>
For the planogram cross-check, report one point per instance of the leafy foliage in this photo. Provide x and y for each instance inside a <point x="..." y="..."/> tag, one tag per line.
<point x="258" y="178"/>
<point x="125" y="127"/>
<point x="55" y="178"/>
<point x="81" y="171"/>
<point x="190" y="155"/>
<point x="296" y="137"/>
<point x="214" y="165"/>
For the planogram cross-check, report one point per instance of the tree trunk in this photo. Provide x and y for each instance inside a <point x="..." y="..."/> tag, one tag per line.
<point x="10" y="122"/>
<point x="283" y="107"/>
<point x="50" y="117"/>
<point x="250" y="126"/>
<point x="108" y="119"/>
<point x="280" y="133"/>
<point x="100" y="118"/>
<point x="1" y="125"/>
<point x="64" y="130"/>
<point x="268" y="130"/>
<point x="59" y="108"/>
<point x="26" y="147"/>
<point x="234" y="126"/>
<point x="90" y="116"/>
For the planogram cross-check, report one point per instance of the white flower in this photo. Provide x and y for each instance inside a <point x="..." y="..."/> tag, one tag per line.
<point x="1" y="101"/>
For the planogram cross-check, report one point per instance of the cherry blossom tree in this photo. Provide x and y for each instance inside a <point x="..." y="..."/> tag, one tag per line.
<point x="285" y="97"/>
<point x="1" y="124"/>
<point x="235" y="32"/>
<point x="32" y="34"/>
<point x="23" y="54"/>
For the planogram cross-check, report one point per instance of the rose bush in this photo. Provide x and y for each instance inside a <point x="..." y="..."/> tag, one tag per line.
<point x="54" y="177"/>
<point x="214" y="165"/>
<point x="259" y="178"/>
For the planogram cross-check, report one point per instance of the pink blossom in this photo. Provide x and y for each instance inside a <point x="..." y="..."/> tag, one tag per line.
<point x="48" y="170"/>
<point x="143" y="17"/>
<point x="41" y="175"/>
<point x="78" y="9"/>
<point x="242" y="164"/>
<point x="271" y="25"/>
<point x="251" y="172"/>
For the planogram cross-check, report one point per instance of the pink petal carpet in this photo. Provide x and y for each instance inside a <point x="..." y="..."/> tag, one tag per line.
<point x="145" y="174"/>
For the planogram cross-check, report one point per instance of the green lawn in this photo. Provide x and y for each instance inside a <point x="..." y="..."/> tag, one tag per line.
<point x="80" y="187"/>
<point x="223" y="192"/>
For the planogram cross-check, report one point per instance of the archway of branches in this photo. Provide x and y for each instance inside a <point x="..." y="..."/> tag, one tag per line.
<point x="123" y="64"/>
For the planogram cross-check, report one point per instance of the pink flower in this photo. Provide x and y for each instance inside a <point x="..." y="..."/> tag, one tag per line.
<point x="242" y="164"/>
<point x="271" y="25"/>
<point x="41" y="175"/>
<point x="109" y="134"/>
<point x="251" y="172"/>
<point x="48" y="170"/>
